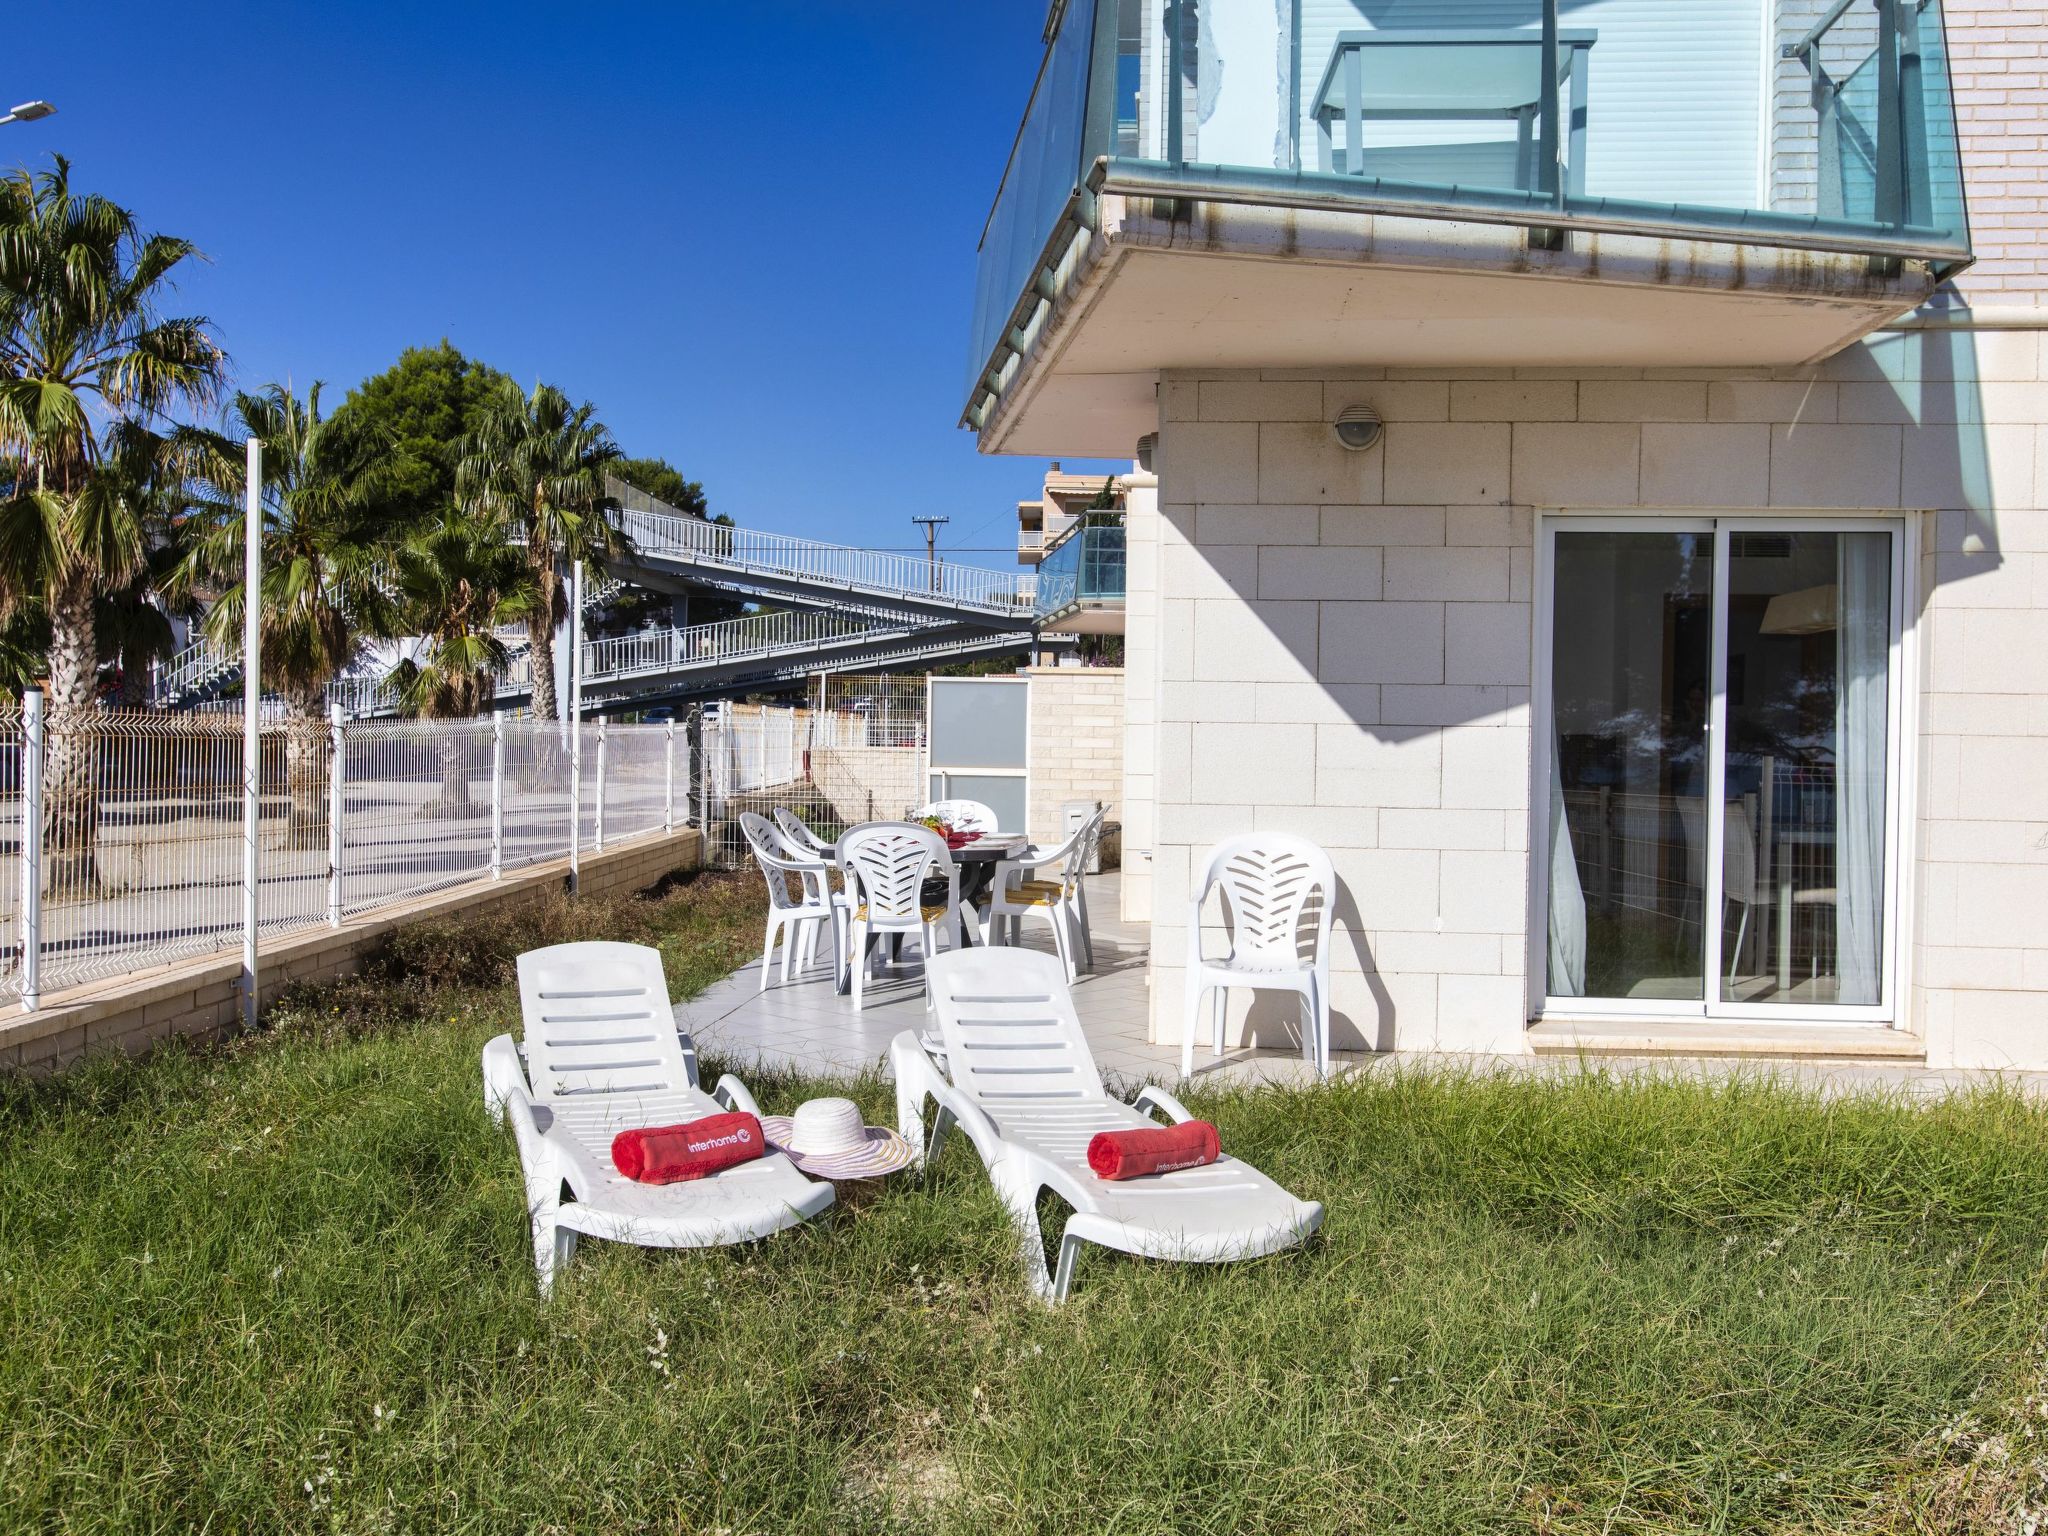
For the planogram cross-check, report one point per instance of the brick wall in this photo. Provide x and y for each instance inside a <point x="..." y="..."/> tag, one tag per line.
<point x="1999" y="63"/>
<point x="1077" y="743"/>
<point x="1998" y="54"/>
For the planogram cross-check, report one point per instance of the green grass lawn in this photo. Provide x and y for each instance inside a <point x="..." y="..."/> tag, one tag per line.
<point x="285" y="1284"/>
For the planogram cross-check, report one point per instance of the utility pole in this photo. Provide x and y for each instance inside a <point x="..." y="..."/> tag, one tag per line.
<point x="931" y="526"/>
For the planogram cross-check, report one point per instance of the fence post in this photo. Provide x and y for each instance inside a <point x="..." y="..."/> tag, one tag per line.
<point x="693" y="777"/>
<point x="575" y="725"/>
<point x="497" y="794"/>
<point x="337" y="801"/>
<point x="252" y="727"/>
<point x="32" y="849"/>
<point x="597" y="820"/>
<point x="668" y="782"/>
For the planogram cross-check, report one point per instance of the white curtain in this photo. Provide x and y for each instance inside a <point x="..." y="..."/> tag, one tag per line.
<point x="1567" y="897"/>
<point x="1862" y="656"/>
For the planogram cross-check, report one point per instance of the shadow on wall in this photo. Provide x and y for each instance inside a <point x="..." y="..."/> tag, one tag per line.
<point x="1899" y="422"/>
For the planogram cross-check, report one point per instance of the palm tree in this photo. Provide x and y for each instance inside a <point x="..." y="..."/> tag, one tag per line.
<point x="133" y="631"/>
<point x="538" y="464"/>
<point x="327" y="537"/>
<point x="457" y="583"/>
<point x="87" y="364"/>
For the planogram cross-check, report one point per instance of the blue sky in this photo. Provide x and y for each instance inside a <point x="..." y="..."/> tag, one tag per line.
<point x="745" y="231"/>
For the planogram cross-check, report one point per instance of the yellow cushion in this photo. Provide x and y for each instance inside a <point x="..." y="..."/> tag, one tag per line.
<point x="1036" y="893"/>
<point x="930" y="914"/>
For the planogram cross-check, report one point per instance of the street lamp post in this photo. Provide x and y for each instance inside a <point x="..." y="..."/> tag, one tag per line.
<point x="28" y="112"/>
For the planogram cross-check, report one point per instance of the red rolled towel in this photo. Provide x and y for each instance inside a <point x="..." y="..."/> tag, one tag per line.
<point x="696" y="1149"/>
<point x="1133" y="1154"/>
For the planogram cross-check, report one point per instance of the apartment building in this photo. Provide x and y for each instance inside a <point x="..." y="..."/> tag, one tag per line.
<point x="1598" y="453"/>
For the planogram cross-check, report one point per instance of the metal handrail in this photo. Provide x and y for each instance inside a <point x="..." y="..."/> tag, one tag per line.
<point x="862" y="571"/>
<point x="665" y="650"/>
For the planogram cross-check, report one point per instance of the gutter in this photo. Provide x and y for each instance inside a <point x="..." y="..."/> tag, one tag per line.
<point x="1607" y="216"/>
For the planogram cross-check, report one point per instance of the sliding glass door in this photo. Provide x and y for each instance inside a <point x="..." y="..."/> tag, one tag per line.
<point x="1721" y="712"/>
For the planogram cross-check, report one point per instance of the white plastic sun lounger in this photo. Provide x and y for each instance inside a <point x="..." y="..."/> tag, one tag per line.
<point x="603" y="1055"/>
<point x="1026" y="1091"/>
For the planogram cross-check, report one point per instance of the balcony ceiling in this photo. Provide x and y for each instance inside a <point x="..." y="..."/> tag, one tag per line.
<point x="1213" y="285"/>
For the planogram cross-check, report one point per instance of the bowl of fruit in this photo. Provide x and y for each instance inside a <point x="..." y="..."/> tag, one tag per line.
<point x="955" y="837"/>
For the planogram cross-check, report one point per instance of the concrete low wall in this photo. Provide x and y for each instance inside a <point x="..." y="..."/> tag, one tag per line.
<point x="200" y="998"/>
<point x="868" y="783"/>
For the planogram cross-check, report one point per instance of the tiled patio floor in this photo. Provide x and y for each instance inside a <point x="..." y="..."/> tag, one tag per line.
<point x="808" y="1027"/>
<point x="805" y="1026"/>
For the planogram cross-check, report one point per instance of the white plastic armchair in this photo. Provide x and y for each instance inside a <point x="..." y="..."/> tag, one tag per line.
<point x="1014" y="894"/>
<point x="798" y="834"/>
<point x="602" y="1054"/>
<point x="1025" y="1091"/>
<point x="887" y="864"/>
<point x="796" y="918"/>
<point x="1267" y="881"/>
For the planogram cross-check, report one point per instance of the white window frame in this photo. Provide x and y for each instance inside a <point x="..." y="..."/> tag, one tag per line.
<point x="1901" y="713"/>
<point x="947" y="771"/>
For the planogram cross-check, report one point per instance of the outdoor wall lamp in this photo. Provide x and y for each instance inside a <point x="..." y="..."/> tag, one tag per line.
<point x="1357" y="428"/>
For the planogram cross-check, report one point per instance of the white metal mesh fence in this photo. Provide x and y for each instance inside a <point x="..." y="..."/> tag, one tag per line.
<point x="141" y="816"/>
<point x="855" y="754"/>
<point x="640" y="782"/>
<point x="142" y="841"/>
<point x="417" y="809"/>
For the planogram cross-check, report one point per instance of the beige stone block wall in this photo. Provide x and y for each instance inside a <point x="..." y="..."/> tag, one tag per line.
<point x="1138" y="811"/>
<point x="1077" y="743"/>
<point x="1343" y="645"/>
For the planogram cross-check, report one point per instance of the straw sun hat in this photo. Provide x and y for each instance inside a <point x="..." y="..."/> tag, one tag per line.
<point x="825" y="1137"/>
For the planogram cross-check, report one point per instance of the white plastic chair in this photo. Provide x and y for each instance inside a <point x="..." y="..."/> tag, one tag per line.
<point x="1267" y="881"/>
<point x="962" y="815"/>
<point x="798" y="834"/>
<point x="886" y="865"/>
<point x="1013" y="895"/>
<point x="796" y="920"/>
<point x="602" y="1055"/>
<point x="1025" y="1090"/>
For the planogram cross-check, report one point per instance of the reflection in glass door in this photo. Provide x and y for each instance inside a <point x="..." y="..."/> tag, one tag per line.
<point x="1631" y="646"/>
<point x="1720" y="724"/>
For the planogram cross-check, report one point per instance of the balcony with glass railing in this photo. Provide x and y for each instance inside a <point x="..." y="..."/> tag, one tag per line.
<point x="1081" y="581"/>
<point x="1794" y="148"/>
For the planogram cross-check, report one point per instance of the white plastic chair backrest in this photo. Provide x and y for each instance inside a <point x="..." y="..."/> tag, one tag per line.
<point x="889" y="862"/>
<point x="598" y="1020"/>
<point x="1012" y="1036"/>
<point x="1267" y="880"/>
<point x="772" y="856"/>
<point x="1738" y="847"/>
<point x="1086" y="836"/>
<point x="1068" y="855"/>
<point x="962" y="815"/>
<point x="797" y="835"/>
